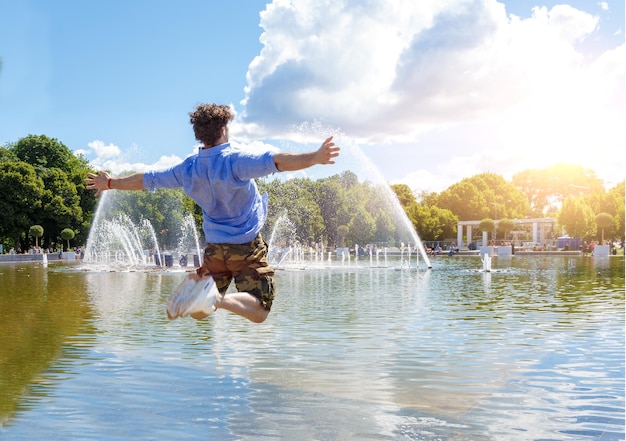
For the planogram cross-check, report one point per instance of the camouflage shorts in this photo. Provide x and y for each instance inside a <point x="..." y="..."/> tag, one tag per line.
<point x="246" y="263"/>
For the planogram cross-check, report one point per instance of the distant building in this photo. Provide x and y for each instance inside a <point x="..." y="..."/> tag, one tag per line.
<point x="531" y="232"/>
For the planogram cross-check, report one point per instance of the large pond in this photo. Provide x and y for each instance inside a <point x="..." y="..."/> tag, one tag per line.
<point x="533" y="350"/>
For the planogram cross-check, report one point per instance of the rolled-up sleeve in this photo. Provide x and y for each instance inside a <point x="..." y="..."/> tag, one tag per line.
<point x="169" y="178"/>
<point x="248" y="166"/>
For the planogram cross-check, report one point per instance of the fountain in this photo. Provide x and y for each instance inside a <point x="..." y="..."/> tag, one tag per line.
<point x="283" y="245"/>
<point x="189" y="237"/>
<point x="486" y="259"/>
<point x="116" y="239"/>
<point x="487" y="266"/>
<point x="394" y="205"/>
<point x="117" y="242"/>
<point x="287" y="226"/>
<point x="287" y="252"/>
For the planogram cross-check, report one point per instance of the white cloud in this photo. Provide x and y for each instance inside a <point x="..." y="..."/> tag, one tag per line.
<point x="110" y="157"/>
<point x="506" y="93"/>
<point x="439" y="90"/>
<point x="103" y="151"/>
<point x="396" y="68"/>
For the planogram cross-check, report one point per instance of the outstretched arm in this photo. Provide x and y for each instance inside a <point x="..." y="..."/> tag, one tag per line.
<point x="102" y="181"/>
<point x="297" y="161"/>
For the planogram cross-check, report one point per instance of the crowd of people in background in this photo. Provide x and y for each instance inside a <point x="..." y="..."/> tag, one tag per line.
<point x="589" y="248"/>
<point x="79" y="252"/>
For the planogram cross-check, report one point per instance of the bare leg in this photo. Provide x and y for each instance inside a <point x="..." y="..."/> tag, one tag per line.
<point x="240" y="303"/>
<point x="243" y="304"/>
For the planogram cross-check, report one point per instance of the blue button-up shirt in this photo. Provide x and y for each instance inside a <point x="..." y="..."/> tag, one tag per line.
<point x="221" y="181"/>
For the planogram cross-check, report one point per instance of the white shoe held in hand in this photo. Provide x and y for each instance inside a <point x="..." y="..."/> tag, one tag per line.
<point x="194" y="297"/>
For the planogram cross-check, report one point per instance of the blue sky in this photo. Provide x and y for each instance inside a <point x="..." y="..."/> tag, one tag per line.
<point x="429" y="93"/>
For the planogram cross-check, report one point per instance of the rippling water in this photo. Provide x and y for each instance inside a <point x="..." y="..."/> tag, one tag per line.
<point x="531" y="351"/>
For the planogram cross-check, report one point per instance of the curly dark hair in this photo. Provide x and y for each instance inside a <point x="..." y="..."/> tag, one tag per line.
<point x="208" y="120"/>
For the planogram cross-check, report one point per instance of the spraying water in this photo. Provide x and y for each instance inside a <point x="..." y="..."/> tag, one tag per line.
<point x="119" y="240"/>
<point x="398" y="212"/>
<point x="115" y="240"/>
<point x="189" y="237"/>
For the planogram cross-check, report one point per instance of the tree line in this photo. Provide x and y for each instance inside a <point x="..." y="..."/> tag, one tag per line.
<point x="41" y="184"/>
<point x="571" y="194"/>
<point x="346" y="211"/>
<point x="44" y="202"/>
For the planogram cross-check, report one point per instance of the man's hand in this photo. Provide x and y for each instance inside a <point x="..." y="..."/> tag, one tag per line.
<point x="102" y="181"/>
<point x="327" y="152"/>
<point x="98" y="182"/>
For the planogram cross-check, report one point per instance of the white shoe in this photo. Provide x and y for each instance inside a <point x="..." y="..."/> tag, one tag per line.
<point x="193" y="297"/>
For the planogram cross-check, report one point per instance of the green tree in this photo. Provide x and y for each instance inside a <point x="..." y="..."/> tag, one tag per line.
<point x="506" y="225"/>
<point x="43" y="152"/>
<point x="330" y="196"/>
<point x="67" y="234"/>
<point x="20" y="199"/>
<point x="294" y="198"/>
<point x="404" y="194"/>
<point x="65" y="200"/>
<point x="604" y="220"/>
<point x="577" y="218"/>
<point x="342" y="232"/>
<point x="612" y="203"/>
<point x="382" y="205"/>
<point x="385" y="227"/>
<point x="487" y="225"/>
<point x="616" y="194"/>
<point x="447" y="222"/>
<point x="318" y="208"/>
<point x="60" y="203"/>
<point x="554" y="184"/>
<point x="481" y="196"/>
<point x="6" y="155"/>
<point x="429" y="199"/>
<point x="432" y="223"/>
<point x="465" y="200"/>
<point x="360" y="199"/>
<point x="302" y="209"/>
<point x="36" y="231"/>
<point x="348" y="179"/>
<point x="362" y="227"/>
<point x="86" y="200"/>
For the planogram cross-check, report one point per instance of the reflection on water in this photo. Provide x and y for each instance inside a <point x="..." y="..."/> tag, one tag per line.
<point x="533" y="350"/>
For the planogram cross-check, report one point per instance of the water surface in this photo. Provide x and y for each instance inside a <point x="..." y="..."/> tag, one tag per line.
<point x="531" y="351"/>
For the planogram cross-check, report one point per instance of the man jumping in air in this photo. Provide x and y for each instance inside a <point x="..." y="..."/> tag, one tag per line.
<point x="220" y="179"/>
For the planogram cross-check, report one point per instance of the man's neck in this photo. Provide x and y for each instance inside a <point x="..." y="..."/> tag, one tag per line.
<point x="221" y="140"/>
<point x="205" y="146"/>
